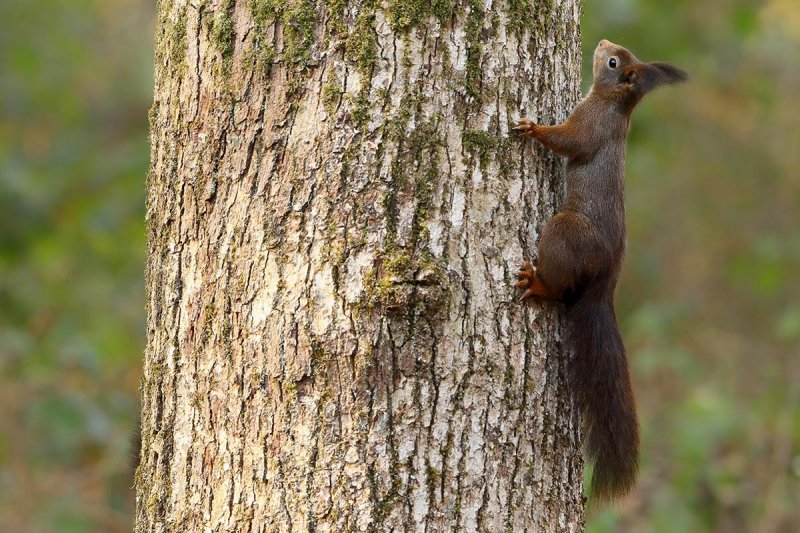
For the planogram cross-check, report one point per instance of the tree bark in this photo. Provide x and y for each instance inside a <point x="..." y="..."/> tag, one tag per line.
<point x="336" y="212"/>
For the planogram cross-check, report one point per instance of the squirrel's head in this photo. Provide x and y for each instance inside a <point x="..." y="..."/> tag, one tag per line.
<point x="619" y="74"/>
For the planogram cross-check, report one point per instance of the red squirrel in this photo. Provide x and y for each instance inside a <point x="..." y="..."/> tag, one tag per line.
<point x="580" y="255"/>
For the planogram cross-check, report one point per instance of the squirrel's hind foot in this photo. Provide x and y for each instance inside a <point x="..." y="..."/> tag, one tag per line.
<point x="531" y="283"/>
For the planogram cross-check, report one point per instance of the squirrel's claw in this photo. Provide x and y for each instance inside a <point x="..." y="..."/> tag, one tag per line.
<point x="527" y="294"/>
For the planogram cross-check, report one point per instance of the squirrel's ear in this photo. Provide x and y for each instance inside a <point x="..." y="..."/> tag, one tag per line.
<point x="630" y="74"/>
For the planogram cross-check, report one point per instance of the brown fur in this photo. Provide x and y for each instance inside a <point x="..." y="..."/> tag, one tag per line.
<point x="580" y="255"/>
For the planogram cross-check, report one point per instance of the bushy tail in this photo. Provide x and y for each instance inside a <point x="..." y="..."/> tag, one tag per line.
<point x="602" y="388"/>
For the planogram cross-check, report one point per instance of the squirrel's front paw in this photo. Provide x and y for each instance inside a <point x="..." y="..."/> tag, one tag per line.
<point x="525" y="127"/>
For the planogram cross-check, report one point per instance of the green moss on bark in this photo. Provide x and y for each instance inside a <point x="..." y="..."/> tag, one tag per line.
<point x="403" y="14"/>
<point x="443" y="9"/>
<point x="296" y="18"/>
<point x="424" y="143"/>
<point x="331" y="94"/>
<point x="177" y="41"/>
<point x="362" y="43"/>
<point x="474" y="28"/>
<point x="404" y="282"/>
<point x="222" y="33"/>
<point x="406" y="14"/>
<point x="336" y="12"/>
<point x="520" y="12"/>
<point x="265" y="12"/>
<point x="479" y="144"/>
<point x="299" y="21"/>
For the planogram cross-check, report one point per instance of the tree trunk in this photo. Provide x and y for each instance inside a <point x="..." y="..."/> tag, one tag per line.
<point x="336" y="213"/>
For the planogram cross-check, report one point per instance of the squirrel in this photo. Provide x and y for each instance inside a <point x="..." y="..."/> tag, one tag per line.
<point x="580" y="254"/>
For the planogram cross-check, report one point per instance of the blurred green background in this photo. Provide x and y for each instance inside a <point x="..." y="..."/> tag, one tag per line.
<point x="75" y="86"/>
<point x="709" y="300"/>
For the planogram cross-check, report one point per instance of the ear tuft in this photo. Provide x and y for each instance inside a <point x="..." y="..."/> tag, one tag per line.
<point x="671" y="73"/>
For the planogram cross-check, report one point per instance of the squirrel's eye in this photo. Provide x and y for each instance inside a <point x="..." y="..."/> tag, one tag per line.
<point x="612" y="62"/>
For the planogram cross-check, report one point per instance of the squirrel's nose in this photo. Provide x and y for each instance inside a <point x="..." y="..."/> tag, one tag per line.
<point x="603" y="43"/>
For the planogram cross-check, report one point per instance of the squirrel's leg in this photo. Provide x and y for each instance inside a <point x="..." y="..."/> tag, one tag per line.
<point x="565" y="242"/>
<point x="559" y="138"/>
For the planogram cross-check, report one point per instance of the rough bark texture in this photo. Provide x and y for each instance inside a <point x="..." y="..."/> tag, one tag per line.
<point x="336" y="213"/>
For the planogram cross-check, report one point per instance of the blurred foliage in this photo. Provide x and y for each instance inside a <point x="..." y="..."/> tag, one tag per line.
<point x="709" y="300"/>
<point x="74" y="92"/>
